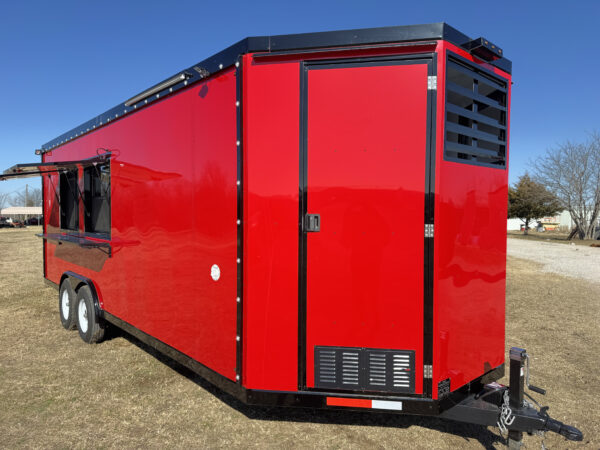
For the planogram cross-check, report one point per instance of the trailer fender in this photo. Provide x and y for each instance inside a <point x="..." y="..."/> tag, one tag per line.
<point x="77" y="281"/>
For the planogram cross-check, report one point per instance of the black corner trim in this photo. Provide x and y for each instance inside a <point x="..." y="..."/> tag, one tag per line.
<point x="240" y="218"/>
<point x="303" y="180"/>
<point x="428" y="243"/>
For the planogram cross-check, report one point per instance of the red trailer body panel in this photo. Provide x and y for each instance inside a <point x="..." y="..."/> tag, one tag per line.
<point x="365" y="265"/>
<point x="173" y="217"/>
<point x="271" y="106"/>
<point x="469" y="256"/>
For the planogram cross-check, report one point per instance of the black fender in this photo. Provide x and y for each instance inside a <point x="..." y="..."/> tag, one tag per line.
<point x="77" y="281"/>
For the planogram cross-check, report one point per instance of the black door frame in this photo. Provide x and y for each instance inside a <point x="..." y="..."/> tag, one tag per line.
<point x="421" y="58"/>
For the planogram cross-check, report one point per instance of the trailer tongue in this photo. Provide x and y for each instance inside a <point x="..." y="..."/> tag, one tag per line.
<point x="507" y="408"/>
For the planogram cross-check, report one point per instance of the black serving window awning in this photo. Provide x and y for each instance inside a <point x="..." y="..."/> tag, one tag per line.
<point x="37" y="169"/>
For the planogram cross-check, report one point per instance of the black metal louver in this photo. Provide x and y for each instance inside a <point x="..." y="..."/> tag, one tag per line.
<point x="475" y="115"/>
<point x="364" y="369"/>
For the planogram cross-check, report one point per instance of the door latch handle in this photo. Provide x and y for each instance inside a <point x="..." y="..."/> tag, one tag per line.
<point x="312" y="223"/>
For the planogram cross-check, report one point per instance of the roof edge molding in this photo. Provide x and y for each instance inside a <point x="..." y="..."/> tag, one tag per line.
<point x="279" y="43"/>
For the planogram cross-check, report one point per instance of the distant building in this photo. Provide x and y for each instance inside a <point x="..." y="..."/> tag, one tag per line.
<point x="21" y="213"/>
<point x="561" y="221"/>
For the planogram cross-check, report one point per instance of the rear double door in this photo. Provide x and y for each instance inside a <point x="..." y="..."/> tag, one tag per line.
<point x="364" y="158"/>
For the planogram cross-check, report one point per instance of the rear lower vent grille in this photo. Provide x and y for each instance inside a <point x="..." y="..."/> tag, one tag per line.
<point x="365" y="369"/>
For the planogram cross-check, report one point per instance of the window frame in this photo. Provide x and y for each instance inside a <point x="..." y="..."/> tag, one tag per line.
<point x="89" y="193"/>
<point x="71" y="192"/>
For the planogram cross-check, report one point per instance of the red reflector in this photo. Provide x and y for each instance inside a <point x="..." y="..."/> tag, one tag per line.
<point x="349" y="402"/>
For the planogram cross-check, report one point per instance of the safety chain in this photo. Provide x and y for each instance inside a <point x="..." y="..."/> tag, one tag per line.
<point x="506" y="418"/>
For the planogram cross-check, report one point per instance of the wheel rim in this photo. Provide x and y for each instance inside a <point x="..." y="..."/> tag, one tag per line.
<point x="83" y="316"/>
<point x="64" y="305"/>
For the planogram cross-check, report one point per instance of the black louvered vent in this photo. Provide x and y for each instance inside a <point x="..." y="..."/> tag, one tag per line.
<point x="365" y="369"/>
<point x="350" y="368"/>
<point x="475" y="115"/>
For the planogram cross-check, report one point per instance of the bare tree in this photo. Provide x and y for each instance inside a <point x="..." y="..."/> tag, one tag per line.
<point x="4" y="197"/>
<point x="571" y="172"/>
<point x="27" y="197"/>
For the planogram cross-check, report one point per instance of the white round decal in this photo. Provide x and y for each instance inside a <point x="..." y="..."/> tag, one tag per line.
<point x="215" y="272"/>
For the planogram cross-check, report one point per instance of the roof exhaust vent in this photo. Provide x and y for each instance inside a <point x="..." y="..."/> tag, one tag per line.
<point x="484" y="49"/>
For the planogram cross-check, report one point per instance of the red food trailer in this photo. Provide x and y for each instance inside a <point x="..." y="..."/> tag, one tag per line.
<point x="311" y="220"/>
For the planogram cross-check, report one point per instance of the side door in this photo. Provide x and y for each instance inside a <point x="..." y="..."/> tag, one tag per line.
<point x="365" y="156"/>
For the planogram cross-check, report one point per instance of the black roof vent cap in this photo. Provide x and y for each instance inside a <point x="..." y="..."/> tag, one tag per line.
<point x="483" y="49"/>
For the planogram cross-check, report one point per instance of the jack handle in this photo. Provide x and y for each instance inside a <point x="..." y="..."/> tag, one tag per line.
<point x="531" y="387"/>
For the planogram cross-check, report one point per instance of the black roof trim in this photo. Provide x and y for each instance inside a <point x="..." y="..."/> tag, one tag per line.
<point x="281" y="43"/>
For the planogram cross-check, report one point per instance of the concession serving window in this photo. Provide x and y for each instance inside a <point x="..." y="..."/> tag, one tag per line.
<point x="83" y="185"/>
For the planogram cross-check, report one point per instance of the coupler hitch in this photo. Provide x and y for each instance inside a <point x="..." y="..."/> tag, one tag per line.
<point x="507" y="408"/>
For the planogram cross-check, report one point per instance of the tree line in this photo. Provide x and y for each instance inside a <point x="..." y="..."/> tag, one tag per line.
<point x="26" y="197"/>
<point x="566" y="177"/>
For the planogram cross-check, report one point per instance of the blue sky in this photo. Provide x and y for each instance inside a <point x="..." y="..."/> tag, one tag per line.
<point x="62" y="63"/>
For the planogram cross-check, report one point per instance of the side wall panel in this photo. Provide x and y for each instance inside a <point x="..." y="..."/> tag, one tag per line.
<point x="173" y="216"/>
<point x="469" y="261"/>
<point x="271" y="164"/>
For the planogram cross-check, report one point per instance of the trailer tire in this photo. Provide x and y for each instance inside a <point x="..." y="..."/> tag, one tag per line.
<point x="91" y="328"/>
<point x="66" y="305"/>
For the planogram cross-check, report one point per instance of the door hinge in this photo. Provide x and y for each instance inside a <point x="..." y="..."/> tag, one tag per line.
<point x="427" y="371"/>
<point x="432" y="83"/>
<point x="312" y="223"/>
<point x="428" y="230"/>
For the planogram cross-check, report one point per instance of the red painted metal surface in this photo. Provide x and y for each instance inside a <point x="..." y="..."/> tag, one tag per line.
<point x="271" y="111"/>
<point x="349" y="402"/>
<point x="173" y="217"/>
<point x="469" y="258"/>
<point x="366" y="178"/>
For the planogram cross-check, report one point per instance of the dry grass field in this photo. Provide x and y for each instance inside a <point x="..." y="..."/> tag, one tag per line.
<point x="58" y="392"/>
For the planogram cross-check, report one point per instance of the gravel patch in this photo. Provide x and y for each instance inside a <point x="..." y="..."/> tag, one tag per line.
<point x="575" y="261"/>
